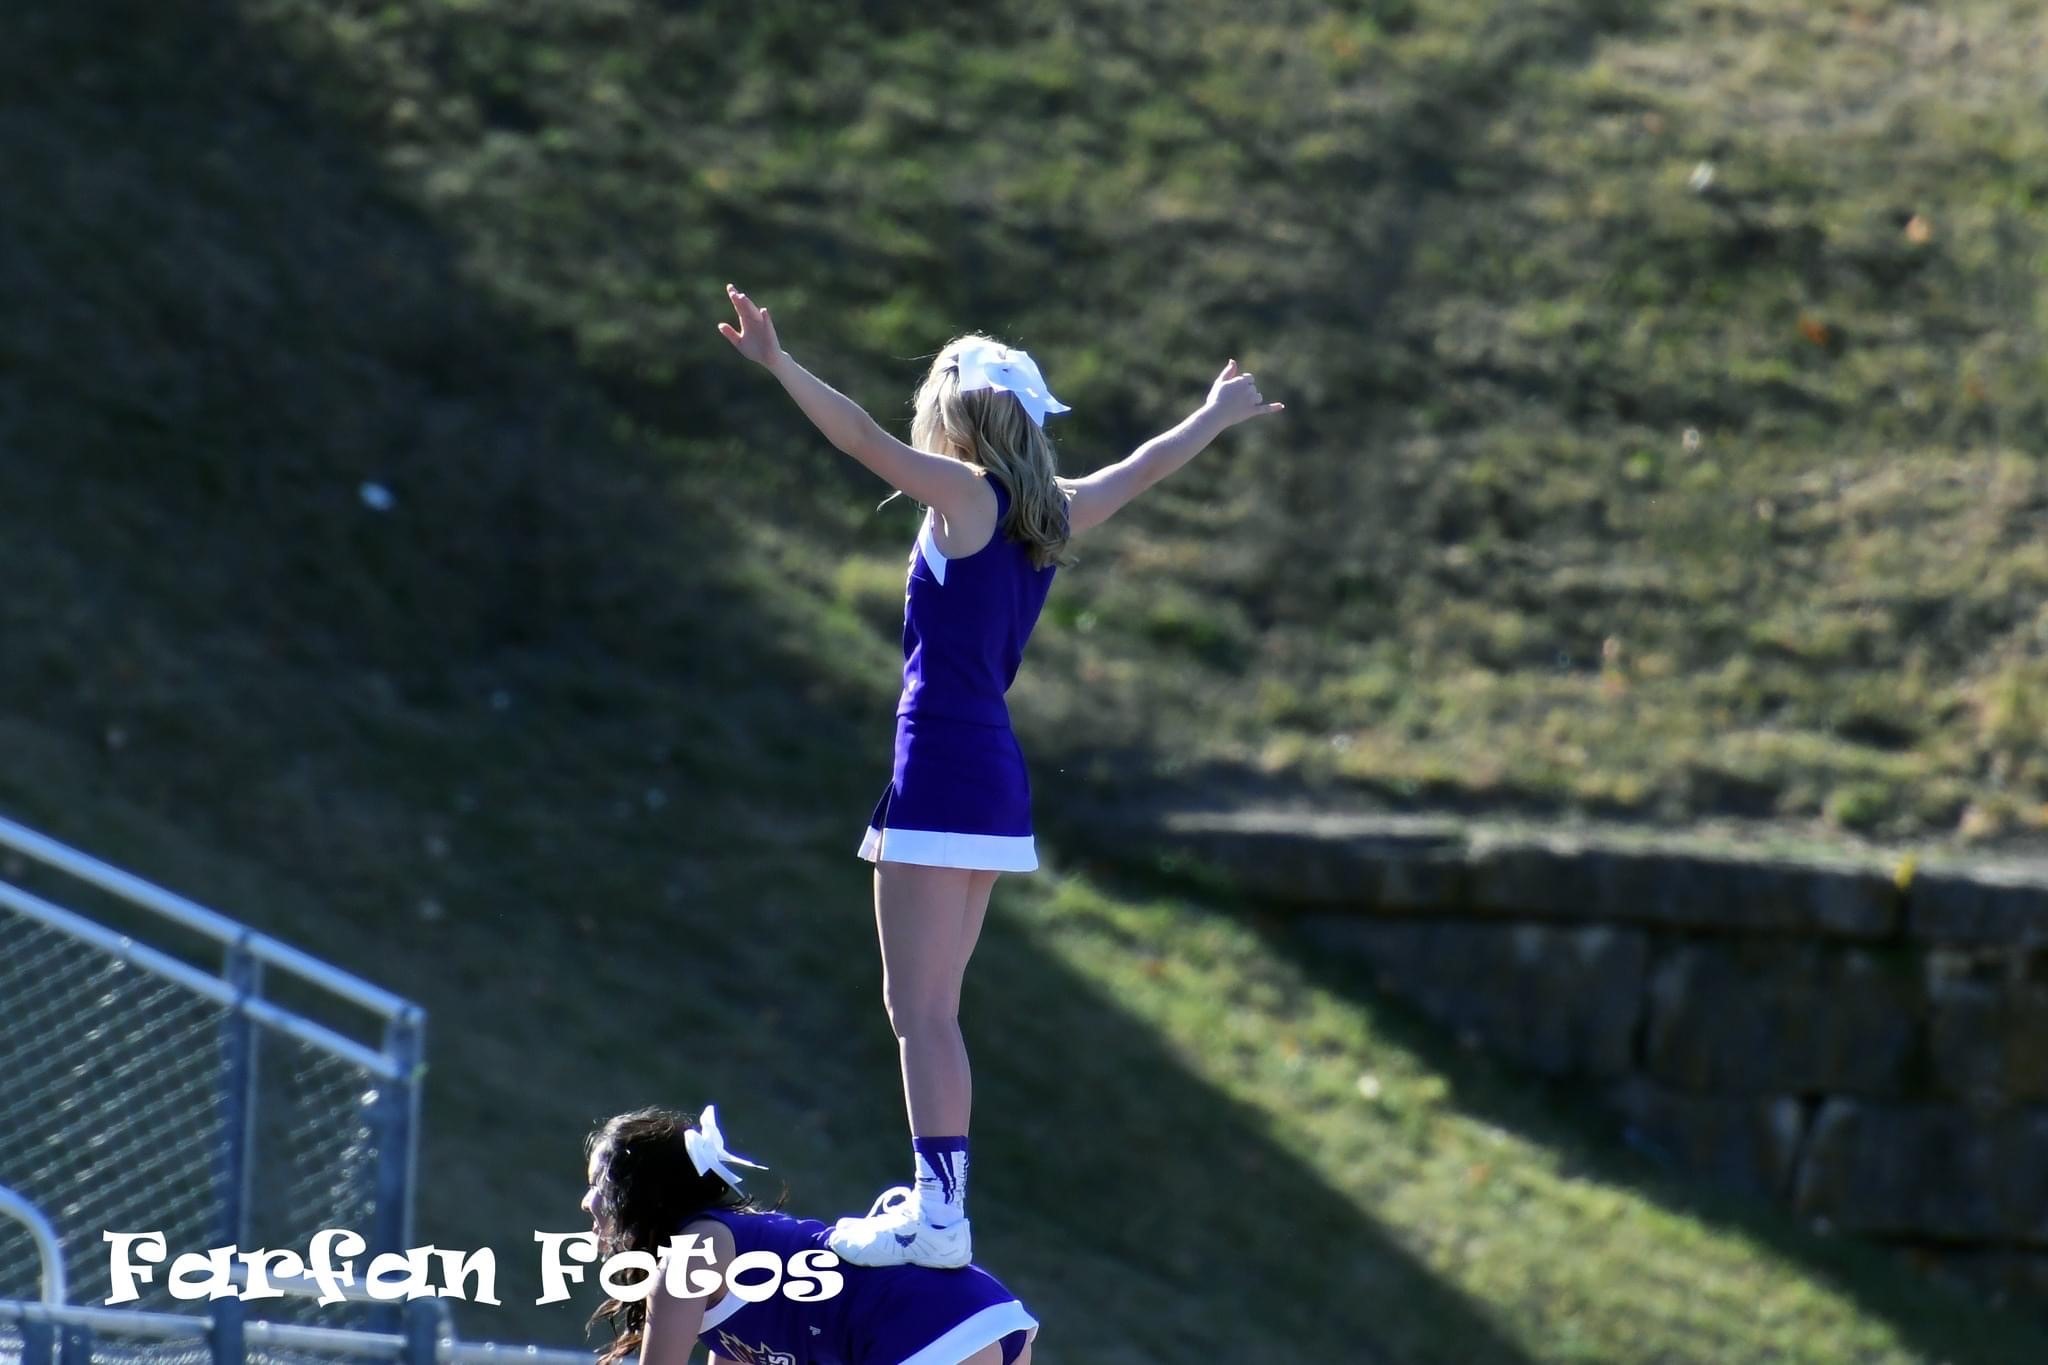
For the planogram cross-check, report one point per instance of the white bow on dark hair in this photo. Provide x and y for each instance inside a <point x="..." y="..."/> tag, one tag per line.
<point x="991" y="365"/>
<point x="706" y="1146"/>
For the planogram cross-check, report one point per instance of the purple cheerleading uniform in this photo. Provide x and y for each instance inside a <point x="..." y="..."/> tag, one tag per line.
<point x="959" y="795"/>
<point x="885" y="1315"/>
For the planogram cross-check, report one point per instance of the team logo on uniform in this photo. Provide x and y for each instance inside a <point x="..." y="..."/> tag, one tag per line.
<point x="737" y="1351"/>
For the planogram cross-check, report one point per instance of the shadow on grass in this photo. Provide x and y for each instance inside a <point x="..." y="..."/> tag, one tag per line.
<point x="366" y="565"/>
<point x="1132" y="1204"/>
<point x="1938" y="1320"/>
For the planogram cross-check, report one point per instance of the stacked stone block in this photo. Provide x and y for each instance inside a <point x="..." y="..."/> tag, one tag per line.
<point x="1860" y="1039"/>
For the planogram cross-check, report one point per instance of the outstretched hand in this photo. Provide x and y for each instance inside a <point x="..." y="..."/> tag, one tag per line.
<point x="755" y="338"/>
<point x="1236" y="398"/>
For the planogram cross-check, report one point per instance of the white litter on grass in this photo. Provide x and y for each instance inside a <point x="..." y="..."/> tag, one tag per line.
<point x="377" y="497"/>
<point x="1702" y="177"/>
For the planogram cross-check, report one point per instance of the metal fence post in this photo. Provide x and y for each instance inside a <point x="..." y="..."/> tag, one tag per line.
<point x="397" y="1120"/>
<point x="243" y="971"/>
<point x="422" y="1330"/>
<point x="38" y="1343"/>
<point x="224" y="1331"/>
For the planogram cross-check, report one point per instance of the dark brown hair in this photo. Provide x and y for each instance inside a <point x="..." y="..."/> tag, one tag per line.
<point x="649" y="1189"/>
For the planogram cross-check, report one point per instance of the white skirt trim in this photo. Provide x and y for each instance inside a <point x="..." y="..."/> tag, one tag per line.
<point x="943" y="848"/>
<point x="985" y="1328"/>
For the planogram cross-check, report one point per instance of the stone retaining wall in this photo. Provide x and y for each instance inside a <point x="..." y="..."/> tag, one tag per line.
<point x="1863" y="1040"/>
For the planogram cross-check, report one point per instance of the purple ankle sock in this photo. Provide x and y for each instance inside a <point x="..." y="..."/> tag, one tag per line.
<point x="941" y="1178"/>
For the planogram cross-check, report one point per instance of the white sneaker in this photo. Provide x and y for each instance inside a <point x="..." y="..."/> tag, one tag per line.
<point x="895" y="1233"/>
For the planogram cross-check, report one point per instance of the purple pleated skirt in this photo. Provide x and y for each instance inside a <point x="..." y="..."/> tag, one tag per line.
<point x="959" y="796"/>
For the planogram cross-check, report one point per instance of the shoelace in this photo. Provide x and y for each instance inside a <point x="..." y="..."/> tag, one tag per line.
<point x="897" y="1194"/>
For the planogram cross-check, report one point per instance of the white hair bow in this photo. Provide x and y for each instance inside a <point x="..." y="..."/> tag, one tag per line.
<point x="706" y="1146"/>
<point x="991" y="365"/>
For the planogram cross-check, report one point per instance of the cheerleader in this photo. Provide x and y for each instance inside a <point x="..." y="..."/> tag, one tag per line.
<point x="957" y="810"/>
<point x="654" y="1176"/>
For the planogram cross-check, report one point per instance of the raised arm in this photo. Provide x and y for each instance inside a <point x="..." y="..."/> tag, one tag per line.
<point x="934" y="480"/>
<point x="1233" y="398"/>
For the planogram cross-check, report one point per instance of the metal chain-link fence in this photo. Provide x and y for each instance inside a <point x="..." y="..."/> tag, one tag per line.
<point x="109" y="1103"/>
<point x="315" y="1160"/>
<point x="142" y="1093"/>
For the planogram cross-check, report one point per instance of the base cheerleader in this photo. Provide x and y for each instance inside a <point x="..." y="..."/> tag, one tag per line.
<point x="655" y="1175"/>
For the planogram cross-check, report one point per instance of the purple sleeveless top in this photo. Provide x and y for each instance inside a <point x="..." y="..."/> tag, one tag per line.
<point x="878" y="1309"/>
<point x="965" y="623"/>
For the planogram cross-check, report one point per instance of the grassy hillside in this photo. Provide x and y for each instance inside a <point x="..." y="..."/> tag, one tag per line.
<point x="1666" y="383"/>
<point x="572" y="740"/>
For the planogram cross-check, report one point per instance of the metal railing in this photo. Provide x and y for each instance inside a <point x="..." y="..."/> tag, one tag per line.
<point x="67" y="1335"/>
<point x="49" y="1254"/>
<point x="47" y="1335"/>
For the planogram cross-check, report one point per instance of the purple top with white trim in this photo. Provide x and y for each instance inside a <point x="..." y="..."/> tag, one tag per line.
<point x="966" y="621"/>
<point x="881" y="1314"/>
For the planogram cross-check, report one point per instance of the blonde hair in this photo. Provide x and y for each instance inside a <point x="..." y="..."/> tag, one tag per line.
<point x="989" y="429"/>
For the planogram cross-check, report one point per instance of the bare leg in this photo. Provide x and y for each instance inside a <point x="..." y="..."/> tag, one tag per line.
<point x="977" y="910"/>
<point x="978" y="888"/>
<point x="921" y="916"/>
